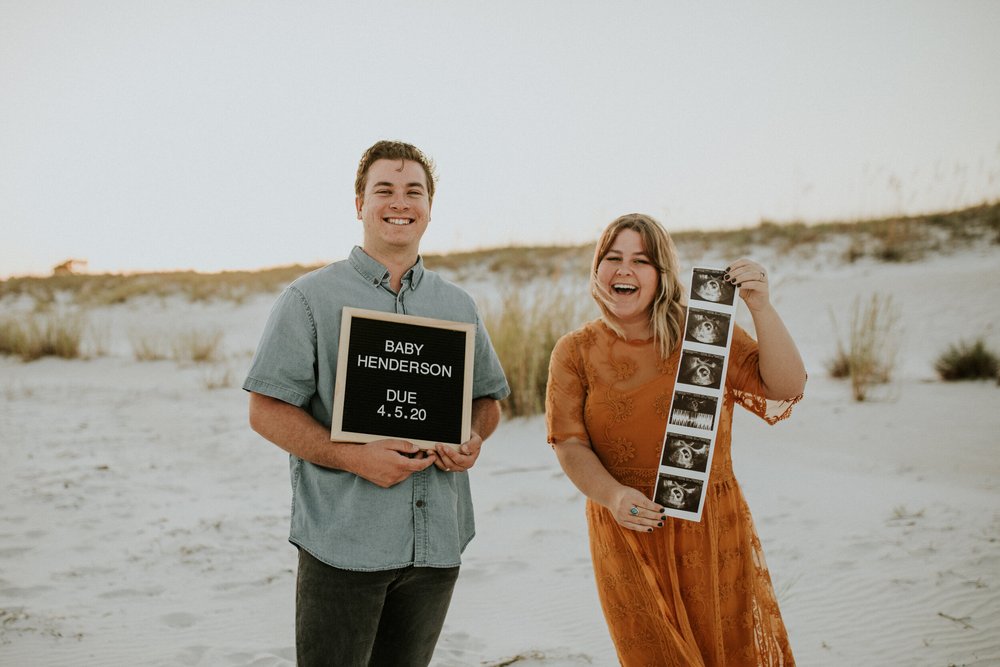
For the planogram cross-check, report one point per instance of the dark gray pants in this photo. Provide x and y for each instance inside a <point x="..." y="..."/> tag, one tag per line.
<point x="390" y="618"/>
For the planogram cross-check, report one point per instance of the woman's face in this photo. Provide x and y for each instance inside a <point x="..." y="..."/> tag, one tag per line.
<point x="630" y="279"/>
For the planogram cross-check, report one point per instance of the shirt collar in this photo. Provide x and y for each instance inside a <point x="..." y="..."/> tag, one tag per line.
<point x="375" y="273"/>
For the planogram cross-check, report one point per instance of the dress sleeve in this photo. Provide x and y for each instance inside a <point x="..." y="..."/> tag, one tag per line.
<point x="744" y="384"/>
<point x="565" y="394"/>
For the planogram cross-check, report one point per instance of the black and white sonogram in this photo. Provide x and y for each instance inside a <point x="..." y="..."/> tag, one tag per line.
<point x="679" y="493"/>
<point x="704" y="326"/>
<point x="700" y="369"/>
<point x="693" y="411"/>
<point x="686" y="451"/>
<point x="708" y="285"/>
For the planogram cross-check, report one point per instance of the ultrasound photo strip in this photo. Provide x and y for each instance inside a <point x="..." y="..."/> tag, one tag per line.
<point x="693" y="421"/>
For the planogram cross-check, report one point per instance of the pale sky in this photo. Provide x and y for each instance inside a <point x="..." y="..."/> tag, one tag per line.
<point x="224" y="134"/>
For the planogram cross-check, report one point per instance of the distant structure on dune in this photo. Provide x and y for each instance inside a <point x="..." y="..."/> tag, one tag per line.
<point x="69" y="267"/>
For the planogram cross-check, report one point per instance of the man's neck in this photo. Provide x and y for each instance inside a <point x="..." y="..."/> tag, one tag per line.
<point x="397" y="263"/>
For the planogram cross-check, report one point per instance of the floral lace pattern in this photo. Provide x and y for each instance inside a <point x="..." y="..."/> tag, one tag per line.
<point x="688" y="593"/>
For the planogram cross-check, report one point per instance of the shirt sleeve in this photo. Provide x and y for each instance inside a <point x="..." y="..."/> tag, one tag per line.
<point x="488" y="379"/>
<point x="746" y="387"/>
<point x="284" y="366"/>
<point x="565" y="393"/>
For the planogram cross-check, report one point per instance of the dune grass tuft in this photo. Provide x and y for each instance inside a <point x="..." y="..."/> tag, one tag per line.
<point x="217" y="377"/>
<point x="197" y="345"/>
<point x="148" y="346"/>
<point x="869" y="355"/>
<point x="524" y="327"/>
<point x="36" y="335"/>
<point x="968" y="361"/>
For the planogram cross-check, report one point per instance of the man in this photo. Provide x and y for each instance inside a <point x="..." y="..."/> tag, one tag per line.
<point x="380" y="527"/>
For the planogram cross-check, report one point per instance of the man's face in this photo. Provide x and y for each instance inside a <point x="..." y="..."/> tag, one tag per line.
<point x="395" y="208"/>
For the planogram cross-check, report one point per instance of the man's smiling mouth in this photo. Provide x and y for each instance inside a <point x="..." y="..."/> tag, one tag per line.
<point x="398" y="221"/>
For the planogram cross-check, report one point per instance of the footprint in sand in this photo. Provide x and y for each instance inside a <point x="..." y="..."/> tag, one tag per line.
<point x="126" y="593"/>
<point x="13" y="552"/>
<point x="180" y="619"/>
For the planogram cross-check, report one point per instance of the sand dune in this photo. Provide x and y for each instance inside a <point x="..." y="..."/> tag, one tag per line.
<point x="141" y="522"/>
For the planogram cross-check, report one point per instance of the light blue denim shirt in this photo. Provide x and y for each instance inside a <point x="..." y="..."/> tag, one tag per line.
<point x="338" y="517"/>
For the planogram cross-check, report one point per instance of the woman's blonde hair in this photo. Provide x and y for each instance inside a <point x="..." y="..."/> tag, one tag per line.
<point x="666" y="314"/>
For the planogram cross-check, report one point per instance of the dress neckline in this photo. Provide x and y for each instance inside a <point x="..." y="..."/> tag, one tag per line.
<point x="634" y="341"/>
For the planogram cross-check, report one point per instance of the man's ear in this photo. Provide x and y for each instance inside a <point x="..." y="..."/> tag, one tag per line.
<point x="358" y="203"/>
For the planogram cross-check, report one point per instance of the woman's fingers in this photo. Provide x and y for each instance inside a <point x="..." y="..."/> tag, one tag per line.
<point x="745" y="271"/>
<point x="636" y="512"/>
<point x="752" y="279"/>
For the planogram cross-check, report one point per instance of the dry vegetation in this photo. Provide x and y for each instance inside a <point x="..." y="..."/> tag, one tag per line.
<point x="890" y="239"/>
<point x="869" y="355"/>
<point x="111" y="288"/>
<point x="523" y="332"/>
<point x="51" y="335"/>
<point x="968" y="361"/>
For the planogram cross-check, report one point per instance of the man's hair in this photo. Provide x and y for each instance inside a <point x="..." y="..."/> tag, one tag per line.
<point x="666" y="315"/>
<point x="393" y="150"/>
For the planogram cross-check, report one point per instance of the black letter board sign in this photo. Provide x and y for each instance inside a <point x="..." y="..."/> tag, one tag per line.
<point x="401" y="376"/>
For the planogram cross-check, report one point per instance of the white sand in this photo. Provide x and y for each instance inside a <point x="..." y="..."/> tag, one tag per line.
<point x="142" y="522"/>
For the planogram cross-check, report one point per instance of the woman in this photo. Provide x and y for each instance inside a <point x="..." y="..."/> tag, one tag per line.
<point x="674" y="592"/>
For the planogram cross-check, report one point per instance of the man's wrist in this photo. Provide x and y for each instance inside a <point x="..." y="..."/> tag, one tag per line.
<point x="342" y="456"/>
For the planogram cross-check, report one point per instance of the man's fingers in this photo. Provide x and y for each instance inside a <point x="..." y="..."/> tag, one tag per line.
<point x="417" y="465"/>
<point x="453" y="458"/>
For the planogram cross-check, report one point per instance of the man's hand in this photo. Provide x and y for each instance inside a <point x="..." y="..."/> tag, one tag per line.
<point x="388" y="462"/>
<point x="450" y="459"/>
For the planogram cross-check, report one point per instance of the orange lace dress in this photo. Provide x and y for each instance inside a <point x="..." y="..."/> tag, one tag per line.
<point x="688" y="594"/>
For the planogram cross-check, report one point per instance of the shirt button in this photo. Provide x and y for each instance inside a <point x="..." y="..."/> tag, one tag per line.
<point x="419" y="503"/>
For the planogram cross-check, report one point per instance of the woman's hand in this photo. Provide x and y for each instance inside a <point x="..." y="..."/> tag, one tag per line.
<point x="635" y="511"/>
<point x="752" y="280"/>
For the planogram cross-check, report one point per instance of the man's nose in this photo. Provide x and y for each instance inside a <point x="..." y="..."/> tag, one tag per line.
<point x="399" y="202"/>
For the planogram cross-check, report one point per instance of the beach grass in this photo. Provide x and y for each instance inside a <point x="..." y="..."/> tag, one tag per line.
<point x="893" y="239"/>
<point x="968" y="361"/>
<point x="868" y="355"/>
<point x="197" y="345"/>
<point x="524" y="328"/>
<point x="34" y="335"/>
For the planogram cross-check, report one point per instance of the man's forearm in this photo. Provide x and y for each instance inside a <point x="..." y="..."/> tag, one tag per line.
<point x="294" y="430"/>
<point x="485" y="416"/>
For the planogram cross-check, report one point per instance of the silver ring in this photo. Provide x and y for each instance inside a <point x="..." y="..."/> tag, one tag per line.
<point x="634" y="511"/>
